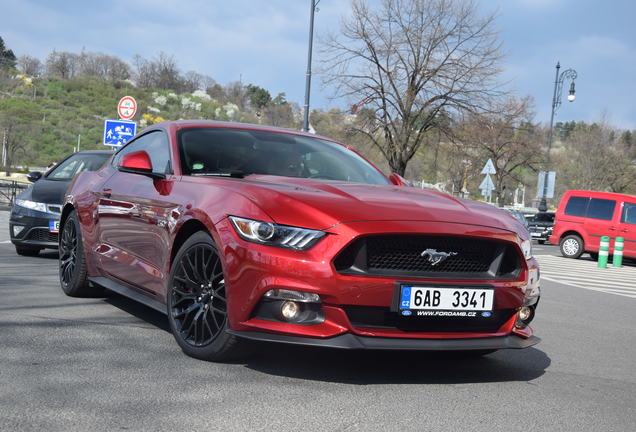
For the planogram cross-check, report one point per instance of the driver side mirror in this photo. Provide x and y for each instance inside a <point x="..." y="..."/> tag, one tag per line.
<point x="34" y="176"/>
<point x="398" y="180"/>
<point x="138" y="163"/>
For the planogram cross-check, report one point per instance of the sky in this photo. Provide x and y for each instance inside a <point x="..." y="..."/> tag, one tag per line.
<point x="264" y="42"/>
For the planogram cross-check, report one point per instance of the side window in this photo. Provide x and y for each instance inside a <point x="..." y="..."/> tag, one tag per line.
<point x="576" y="206"/>
<point x="156" y="145"/>
<point x="601" y="209"/>
<point x="629" y="214"/>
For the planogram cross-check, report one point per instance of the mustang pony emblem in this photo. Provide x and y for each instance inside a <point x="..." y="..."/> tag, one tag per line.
<point x="435" y="257"/>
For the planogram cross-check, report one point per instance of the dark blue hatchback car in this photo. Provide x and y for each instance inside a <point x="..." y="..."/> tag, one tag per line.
<point x="35" y="215"/>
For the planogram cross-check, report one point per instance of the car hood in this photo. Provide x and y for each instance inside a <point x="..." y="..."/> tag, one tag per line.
<point x="46" y="191"/>
<point x="323" y="204"/>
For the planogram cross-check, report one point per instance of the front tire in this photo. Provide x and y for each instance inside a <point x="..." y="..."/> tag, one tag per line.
<point x="72" y="264"/>
<point x="571" y="246"/>
<point x="197" y="304"/>
<point x="541" y="242"/>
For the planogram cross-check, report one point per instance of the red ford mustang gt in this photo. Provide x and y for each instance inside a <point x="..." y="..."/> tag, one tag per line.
<point x="241" y="233"/>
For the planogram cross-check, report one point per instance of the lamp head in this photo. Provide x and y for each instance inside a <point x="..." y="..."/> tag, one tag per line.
<point x="572" y="95"/>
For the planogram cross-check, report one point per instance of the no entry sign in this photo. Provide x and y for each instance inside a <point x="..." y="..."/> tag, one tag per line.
<point x="127" y="107"/>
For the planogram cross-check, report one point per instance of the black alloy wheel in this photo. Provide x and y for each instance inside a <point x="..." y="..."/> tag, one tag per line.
<point x="68" y="253"/>
<point x="73" y="277"/>
<point x="197" y="302"/>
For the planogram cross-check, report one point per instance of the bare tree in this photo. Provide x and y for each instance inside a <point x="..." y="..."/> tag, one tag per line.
<point x="30" y="66"/>
<point x="162" y="72"/>
<point x="195" y="81"/>
<point x="410" y="60"/>
<point x="507" y="137"/>
<point x="236" y="93"/>
<point x="61" y="64"/>
<point x="595" y="159"/>
<point x="102" y="65"/>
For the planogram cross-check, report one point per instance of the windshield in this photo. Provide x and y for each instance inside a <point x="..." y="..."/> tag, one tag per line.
<point x="76" y="164"/>
<point x="216" y="150"/>
<point x="543" y="217"/>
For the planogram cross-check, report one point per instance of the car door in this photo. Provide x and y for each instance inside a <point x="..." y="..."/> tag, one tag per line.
<point x="134" y="218"/>
<point x="599" y="221"/>
<point x="627" y="228"/>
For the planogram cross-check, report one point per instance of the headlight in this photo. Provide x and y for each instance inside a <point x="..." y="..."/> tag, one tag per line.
<point x="31" y="205"/>
<point x="526" y="247"/>
<point x="271" y="234"/>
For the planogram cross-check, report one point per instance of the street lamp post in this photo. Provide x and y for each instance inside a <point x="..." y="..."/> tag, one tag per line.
<point x="314" y="3"/>
<point x="556" y="103"/>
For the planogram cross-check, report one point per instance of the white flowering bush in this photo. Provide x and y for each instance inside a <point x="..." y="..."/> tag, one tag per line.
<point x="231" y="110"/>
<point x="153" y="109"/>
<point x="160" y="100"/>
<point x="188" y="103"/>
<point x="201" y="94"/>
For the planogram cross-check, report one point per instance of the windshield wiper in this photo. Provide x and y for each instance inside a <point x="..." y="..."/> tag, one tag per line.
<point x="229" y="173"/>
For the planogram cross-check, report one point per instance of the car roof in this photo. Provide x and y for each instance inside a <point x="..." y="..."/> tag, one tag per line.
<point x="94" y="152"/>
<point x="590" y="193"/>
<point x="183" y="124"/>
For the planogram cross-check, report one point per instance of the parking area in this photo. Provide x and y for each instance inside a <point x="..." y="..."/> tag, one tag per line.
<point x="111" y="364"/>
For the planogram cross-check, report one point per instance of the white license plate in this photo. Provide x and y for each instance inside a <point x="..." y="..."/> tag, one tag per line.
<point x="54" y="226"/>
<point x="451" y="299"/>
<point x="536" y="234"/>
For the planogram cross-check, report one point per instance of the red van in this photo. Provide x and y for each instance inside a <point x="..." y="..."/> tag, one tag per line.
<point x="584" y="217"/>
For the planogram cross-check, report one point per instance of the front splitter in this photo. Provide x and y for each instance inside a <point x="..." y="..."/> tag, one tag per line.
<point x="351" y="341"/>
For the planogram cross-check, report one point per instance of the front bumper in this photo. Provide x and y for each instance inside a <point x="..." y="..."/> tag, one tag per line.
<point x="35" y="228"/>
<point x="351" y="341"/>
<point x="251" y="270"/>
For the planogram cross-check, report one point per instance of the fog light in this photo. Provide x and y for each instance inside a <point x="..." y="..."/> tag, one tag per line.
<point x="17" y="229"/>
<point x="525" y="313"/>
<point x="524" y="316"/>
<point x="290" y="310"/>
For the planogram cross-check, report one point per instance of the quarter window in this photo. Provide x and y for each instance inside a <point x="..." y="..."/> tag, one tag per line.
<point x="629" y="214"/>
<point x="601" y="209"/>
<point x="576" y="206"/>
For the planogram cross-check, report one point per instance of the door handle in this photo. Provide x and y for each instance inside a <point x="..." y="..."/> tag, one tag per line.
<point x="611" y="229"/>
<point x="107" y="192"/>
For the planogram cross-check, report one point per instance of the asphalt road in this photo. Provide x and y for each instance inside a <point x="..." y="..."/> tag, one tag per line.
<point x="109" y="364"/>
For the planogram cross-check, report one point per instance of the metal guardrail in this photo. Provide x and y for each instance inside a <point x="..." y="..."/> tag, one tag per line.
<point x="9" y="190"/>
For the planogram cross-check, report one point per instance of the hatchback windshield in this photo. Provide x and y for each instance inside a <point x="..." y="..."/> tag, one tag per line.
<point x="214" y="150"/>
<point x="76" y="164"/>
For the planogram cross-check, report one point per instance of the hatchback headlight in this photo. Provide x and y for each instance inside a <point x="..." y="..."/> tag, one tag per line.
<point x="31" y="205"/>
<point x="272" y="234"/>
<point x="526" y="247"/>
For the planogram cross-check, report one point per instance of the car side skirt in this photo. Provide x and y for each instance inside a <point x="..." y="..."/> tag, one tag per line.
<point x="131" y="293"/>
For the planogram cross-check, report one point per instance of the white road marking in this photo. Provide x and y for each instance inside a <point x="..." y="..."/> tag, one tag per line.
<point x="586" y="275"/>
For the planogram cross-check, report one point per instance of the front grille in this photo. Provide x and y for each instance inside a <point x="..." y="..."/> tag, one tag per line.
<point x="401" y="255"/>
<point x="382" y="317"/>
<point x="42" y="235"/>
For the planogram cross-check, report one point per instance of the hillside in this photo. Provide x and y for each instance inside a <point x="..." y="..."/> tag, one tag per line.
<point x="46" y="115"/>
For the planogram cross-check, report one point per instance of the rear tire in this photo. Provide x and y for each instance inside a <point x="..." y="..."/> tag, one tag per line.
<point x="197" y="305"/>
<point x="27" y="251"/>
<point x="571" y="246"/>
<point x="72" y="263"/>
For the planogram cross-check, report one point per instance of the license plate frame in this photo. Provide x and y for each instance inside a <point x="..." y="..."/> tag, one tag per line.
<point x="404" y="310"/>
